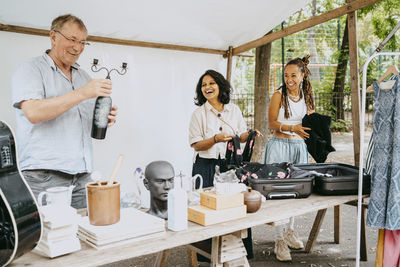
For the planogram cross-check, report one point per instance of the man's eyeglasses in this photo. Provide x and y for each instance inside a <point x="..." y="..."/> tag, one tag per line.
<point x="82" y="43"/>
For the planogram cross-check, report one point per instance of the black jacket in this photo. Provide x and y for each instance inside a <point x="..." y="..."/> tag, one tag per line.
<point x="319" y="143"/>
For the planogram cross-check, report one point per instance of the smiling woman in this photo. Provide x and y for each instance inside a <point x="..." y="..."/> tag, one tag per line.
<point x="288" y="106"/>
<point x="213" y="123"/>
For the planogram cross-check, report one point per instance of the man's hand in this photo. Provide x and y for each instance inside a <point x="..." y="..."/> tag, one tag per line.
<point x="95" y="88"/>
<point x="112" y="117"/>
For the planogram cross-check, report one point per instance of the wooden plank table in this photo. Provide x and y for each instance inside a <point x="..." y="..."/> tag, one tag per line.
<point x="270" y="211"/>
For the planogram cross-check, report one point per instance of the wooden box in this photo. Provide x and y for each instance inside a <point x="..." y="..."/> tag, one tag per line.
<point x="218" y="202"/>
<point x="206" y="216"/>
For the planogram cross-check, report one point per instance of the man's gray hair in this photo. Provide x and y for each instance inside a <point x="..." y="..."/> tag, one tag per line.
<point x="59" y="22"/>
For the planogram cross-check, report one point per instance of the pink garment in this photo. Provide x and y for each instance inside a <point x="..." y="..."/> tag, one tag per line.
<point x="391" y="248"/>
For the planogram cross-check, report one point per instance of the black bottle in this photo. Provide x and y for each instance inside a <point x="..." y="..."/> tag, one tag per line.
<point x="100" y="117"/>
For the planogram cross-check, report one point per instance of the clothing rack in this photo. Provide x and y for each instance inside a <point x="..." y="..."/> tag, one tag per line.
<point x="362" y="129"/>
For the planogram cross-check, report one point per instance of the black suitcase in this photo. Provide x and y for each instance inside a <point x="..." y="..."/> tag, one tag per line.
<point x="263" y="177"/>
<point x="344" y="180"/>
<point x="279" y="180"/>
<point x="285" y="188"/>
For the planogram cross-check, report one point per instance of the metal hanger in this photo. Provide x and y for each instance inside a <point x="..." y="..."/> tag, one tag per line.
<point x="391" y="70"/>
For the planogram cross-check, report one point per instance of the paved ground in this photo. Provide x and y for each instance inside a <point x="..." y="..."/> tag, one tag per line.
<point x="325" y="252"/>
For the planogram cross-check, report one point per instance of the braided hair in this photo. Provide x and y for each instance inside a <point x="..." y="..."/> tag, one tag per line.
<point x="301" y="63"/>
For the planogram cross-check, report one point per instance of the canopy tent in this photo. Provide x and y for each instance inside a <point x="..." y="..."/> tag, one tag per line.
<point x="202" y="24"/>
<point x="155" y="97"/>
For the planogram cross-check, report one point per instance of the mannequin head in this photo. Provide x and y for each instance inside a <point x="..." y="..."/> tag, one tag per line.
<point x="159" y="179"/>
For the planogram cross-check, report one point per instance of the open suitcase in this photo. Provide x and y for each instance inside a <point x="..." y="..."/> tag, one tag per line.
<point x="286" y="188"/>
<point x="272" y="180"/>
<point x="343" y="180"/>
<point x="280" y="180"/>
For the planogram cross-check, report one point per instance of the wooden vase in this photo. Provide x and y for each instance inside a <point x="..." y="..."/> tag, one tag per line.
<point x="103" y="203"/>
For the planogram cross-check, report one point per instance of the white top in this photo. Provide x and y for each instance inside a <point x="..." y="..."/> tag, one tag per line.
<point x="298" y="110"/>
<point x="205" y="123"/>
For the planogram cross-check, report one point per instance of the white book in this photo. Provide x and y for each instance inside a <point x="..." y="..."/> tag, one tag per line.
<point x="119" y="243"/>
<point x="55" y="249"/>
<point x="132" y="223"/>
<point x="59" y="233"/>
<point x="55" y="223"/>
<point x="102" y="241"/>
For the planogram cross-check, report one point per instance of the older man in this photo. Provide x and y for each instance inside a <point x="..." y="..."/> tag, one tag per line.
<point x="54" y="101"/>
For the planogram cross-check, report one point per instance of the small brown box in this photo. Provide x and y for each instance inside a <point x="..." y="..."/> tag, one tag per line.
<point x="218" y="202"/>
<point x="205" y="216"/>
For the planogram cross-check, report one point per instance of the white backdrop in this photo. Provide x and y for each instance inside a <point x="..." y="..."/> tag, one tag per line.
<point x="154" y="97"/>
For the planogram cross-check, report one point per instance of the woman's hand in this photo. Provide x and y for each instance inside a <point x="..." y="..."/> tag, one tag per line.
<point x="311" y="111"/>
<point x="258" y="133"/>
<point x="245" y="136"/>
<point x="301" y="131"/>
<point x="223" y="137"/>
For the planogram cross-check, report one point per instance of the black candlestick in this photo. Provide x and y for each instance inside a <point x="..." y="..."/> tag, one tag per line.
<point x="103" y="105"/>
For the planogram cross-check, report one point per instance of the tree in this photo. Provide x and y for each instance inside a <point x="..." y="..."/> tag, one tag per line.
<point x="340" y="78"/>
<point x="261" y="98"/>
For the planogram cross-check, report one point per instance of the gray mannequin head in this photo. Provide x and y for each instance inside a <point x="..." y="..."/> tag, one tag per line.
<point x="159" y="179"/>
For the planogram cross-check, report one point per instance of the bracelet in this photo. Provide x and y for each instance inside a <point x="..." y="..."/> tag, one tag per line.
<point x="215" y="140"/>
<point x="280" y="127"/>
<point x="290" y="128"/>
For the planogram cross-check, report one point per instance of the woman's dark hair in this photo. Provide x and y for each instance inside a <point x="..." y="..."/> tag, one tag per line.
<point x="224" y="88"/>
<point x="301" y="63"/>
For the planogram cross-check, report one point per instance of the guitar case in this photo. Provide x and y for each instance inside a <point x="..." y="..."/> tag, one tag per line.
<point x="20" y="222"/>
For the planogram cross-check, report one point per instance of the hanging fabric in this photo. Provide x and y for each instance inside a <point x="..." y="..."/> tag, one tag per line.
<point x="384" y="205"/>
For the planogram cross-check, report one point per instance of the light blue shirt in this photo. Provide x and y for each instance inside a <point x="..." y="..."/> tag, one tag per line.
<point x="64" y="143"/>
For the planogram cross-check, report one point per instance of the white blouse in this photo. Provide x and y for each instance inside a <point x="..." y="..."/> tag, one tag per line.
<point x="206" y="122"/>
<point x="298" y="109"/>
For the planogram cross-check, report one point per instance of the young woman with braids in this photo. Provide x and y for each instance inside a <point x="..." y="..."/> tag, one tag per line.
<point x="289" y="104"/>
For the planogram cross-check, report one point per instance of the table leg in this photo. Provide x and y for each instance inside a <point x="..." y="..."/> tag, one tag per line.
<point x="161" y="258"/>
<point x="337" y="223"/>
<point x="315" y="230"/>
<point x="193" y="258"/>
<point x="215" y="252"/>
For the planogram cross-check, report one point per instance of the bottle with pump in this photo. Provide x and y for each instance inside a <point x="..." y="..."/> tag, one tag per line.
<point x="103" y="105"/>
<point x="177" y="206"/>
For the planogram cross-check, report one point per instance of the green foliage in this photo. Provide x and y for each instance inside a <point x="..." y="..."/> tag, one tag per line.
<point x="384" y="17"/>
<point x="374" y="24"/>
<point x="341" y="126"/>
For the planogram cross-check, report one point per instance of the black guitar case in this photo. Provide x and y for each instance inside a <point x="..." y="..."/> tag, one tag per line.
<point x="20" y="222"/>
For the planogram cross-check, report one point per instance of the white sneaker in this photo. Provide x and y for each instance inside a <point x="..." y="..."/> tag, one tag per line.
<point x="282" y="251"/>
<point x="292" y="239"/>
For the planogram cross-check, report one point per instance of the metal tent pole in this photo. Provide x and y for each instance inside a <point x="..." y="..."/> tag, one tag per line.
<point x="362" y="126"/>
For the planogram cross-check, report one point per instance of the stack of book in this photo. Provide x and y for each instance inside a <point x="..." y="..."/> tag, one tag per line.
<point x="215" y="208"/>
<point x="60" y="226"/>
<point x="134" y="225"/>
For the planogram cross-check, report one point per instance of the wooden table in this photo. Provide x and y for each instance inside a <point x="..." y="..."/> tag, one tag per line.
<point x="271" y="211"/>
